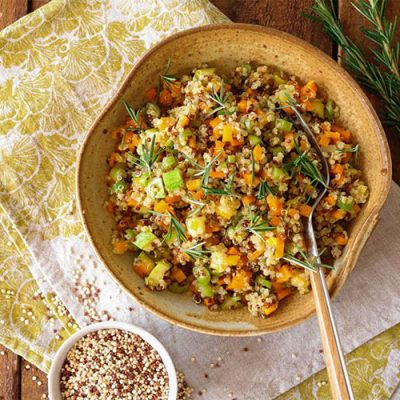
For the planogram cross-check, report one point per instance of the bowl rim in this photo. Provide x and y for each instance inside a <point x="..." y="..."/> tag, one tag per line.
<point x="58" y="361"/>
<point x="364" y="231"/>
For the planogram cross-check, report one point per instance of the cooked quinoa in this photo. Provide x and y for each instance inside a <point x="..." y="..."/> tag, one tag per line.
<point x="211" y="182"/>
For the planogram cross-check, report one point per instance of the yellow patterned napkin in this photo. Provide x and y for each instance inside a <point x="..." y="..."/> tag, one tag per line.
<point x="58" y="67"/>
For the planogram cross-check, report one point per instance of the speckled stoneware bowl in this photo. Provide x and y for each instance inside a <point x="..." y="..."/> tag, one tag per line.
<point x="226" y="46"/>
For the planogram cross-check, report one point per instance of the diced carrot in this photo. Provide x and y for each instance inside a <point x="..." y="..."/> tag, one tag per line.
<point x="337" y="169"/>
<point x="178" y="274"/>
<point x="288" y="110"/>
<point x="308" y="91"/>
<point x="289" y="139"/>
<point x="199" y="195"/>
<point x="258" y="152"/>
<point x="270" y="308"/>
<point x="255" y="254"/>
<point x="175" y="89"/>
<point x="167" y="122"/>
<point x="112" y="159"/>
<point x="115" y="134"/>
<point x="249" y="199"/>
<point x="219" y="146"/>
<point x="275" y="221"/>
<point x="335" y="136"/>
<point x="248" y="178"/>
<point x="242" y="105"/>
<point x="141" y="269"/>
<point x="213" y="226"/>
<point x="132" y="202"/>
<point x="233" y="251"/>
<point x="193" y="184"/>
<point x="305" y="210"/>
<point x="209" y="301"/>
<point x="275" y="205"/>
<point x="173" y="199"/>
<point x="346" y="157"/>
<point x="339" y="181"/>
<point x="280" y="247"/>
<point x="330" y="199"/>
<point x="324" y="140"/>
<point x="183" y="121"/>
<point x="285" y="292"/>
<point x="192" y="142"/>
<point x="236" y="143"/>
<point x="338" y="214"/>
<point x="161" y="207"/>
<point x="217" y="174"/>
<point x="110" y="207"/>
<point x="151" y="93"/>
<point x="292" y="212"/>
<point x="215" y="122"/>
<point x="285" y="273"/>
<point x="166" y="97"/>
<point x="240" y="280"/>
<point x="341" y="239"/>
<point x="345" y="135"/>
<point x="120" y="247"/>
<point x="277" y="285"/>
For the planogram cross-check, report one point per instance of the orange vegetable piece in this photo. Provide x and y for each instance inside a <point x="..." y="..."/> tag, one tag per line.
<point x="277" y="285"/>
<point x="275" y="205"/>
<point x="184" y="121"/>
<point x="166" y="97"/>
<point x="267" y="310"/>
<point x="258" y="152"/>
<point x="346" y="135"/>
<point x="178" y="274"/>
<point x="305" y="210"/>
<point x="289" y="139"/>
<point x="338" y="214"/>
<point x="330" y="199"/>
<point x="356" y="208"/>
<point x="141" y="269"/>
<point x="341" y="239"/>
<point x="217" y="174"/>
<point x="233" y="251"/>
<point x="280" y="247"/>
<point x="110" y="207"/>
<point x="247" y="200"/>
<point x="285" y="292"/>
<point x="292" y="212"/>
<point x="151" y="93"/>
<point x="324" y="140"/>
<point x="335" y="136"/>
<point x="193" y="184"/>
<point x="247" y="177"/>
<point x="172" y="199"/>
<point x="236" y="143"/>
<point x="120" y="247"/>
<point x="240" y="280"/>
<point x="215" y="122"/>
<point x="161" y="207"/>
<point x="337" y="169"/>
<point x="132" y="203"/>
<point x="308" y="91"/>
<point x="112" y="159"/>
<point x="253" y="256"/>
<point x="275" y="221"/>
<point x="192" y="142"/>
<point x="285" y="273"/>
<point x="242" y="105"/>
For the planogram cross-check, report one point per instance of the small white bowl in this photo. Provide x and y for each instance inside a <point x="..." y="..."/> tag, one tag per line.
<point x="54" y="374"/>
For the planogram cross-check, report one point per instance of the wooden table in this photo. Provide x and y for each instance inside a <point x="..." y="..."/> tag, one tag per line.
<point x="19" y="380"/>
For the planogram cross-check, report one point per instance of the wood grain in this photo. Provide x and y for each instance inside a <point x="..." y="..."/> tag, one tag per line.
<point x="9" y="375"/>
<point x="11" y="10"/>
<point x="33" y="382"/>
<point x="352" y="22"/>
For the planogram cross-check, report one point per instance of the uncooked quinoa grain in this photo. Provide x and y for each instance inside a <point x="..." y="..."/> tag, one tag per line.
<point x="113" y="364"/>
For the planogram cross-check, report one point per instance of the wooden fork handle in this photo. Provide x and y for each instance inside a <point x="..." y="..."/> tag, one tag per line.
<point x="334" y="359"/>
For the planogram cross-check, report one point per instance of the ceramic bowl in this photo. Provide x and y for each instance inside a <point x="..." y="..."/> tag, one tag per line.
<point x="54" y="373"/>
<point x="224" y="47"/>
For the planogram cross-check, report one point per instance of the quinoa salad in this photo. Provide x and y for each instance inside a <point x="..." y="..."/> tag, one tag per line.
<point x="211" y="182"/>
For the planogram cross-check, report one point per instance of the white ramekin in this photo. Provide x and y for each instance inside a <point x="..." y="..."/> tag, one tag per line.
<point x="54" y="374"/>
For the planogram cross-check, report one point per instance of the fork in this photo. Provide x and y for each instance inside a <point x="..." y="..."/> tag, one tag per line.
<point x="334" y="358"/>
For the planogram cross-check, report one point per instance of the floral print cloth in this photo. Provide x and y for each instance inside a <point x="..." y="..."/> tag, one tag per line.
<point x="58" y="67"/>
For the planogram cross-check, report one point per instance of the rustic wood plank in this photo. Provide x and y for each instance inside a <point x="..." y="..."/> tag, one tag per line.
<point x="11" y="10"/>
<point x="33" y="382"/>
<point x="280" y="14"/>
<point x="352" y="22"/>
<point x="9" y="375"/>
<point x="35" y="4"/>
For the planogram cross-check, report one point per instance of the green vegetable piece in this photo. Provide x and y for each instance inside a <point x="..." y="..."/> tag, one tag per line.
<point x="278" y="173"/>
<point x="344" y="204"/>
<point x="278" y="80"/>
<point x="142" y="180"/>
<point x="117" y="174"/>
<point x="169" y="144"/>
<point x="261" y="281"/>
<point x="205" y="289"/>
<point x="247" y="69"/>
<point x="201" y="274"/>
<point x="153" y="110"/>
<point x="231" y="159"/>
<point x="329" y="110"/>
<point x="168" y="162"/>
<point x="222" y="166"/>
<point x="283" y="125"/>
<point x="231" y="303"/>
<point x="155" y="189"/>
<point x="119" y="187"/>
<point x="277" y="150"/>
<point x="248" y="124"/>
<point x="173" y="180"/>
<point x="157" y="274"/>
<point x="130" y="234"/>
<point x="178" y="288"/>
<point x="254" y="140"/>
<point x="144" y="240"/>
<point x="146" y="260"/>
<point x="184" y="136"/>
<point x="202" y="72"/>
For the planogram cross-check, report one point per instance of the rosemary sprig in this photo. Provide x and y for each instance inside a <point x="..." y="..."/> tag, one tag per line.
<point x="135" y="115"/>
<point x="253" y="167"/>
<point x="148" y="155"/>
<point x="307" y="262"/>
<point x="255" y="224"/>
<point x="226" y="191"/>
<point x="386" y="84"/>
<point x="195" y="211"/>
<point x="220" y="99"/>
<point x="173" y="226"/>
<point x="196" y="252"/>
<point x="264" y="189"/>
<point x="167" y="78"/>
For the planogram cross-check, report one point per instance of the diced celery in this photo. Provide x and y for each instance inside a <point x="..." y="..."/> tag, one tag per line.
<point x="220" y="261"/>
<point x="196" y="226"/>
<point x="278" y="173"/>
<point x="144" y="240"/>
<point x="153" y="110"/>
<point x="168" y="162"/>
<point x="130" y="234"/>
<point x="145" y="262"/>
<point x="157" y="274"/>
<point x="248" y="124"/>
<point x="231" y="159"/>
<point x="261" y="281"/>
<point x="231" y="302"/>
<point x="173" y="180"/>
<point x="329" y="109"/>
<point x="284" y="125"/>
<point x="169" y="144"/>
<point x="247" y="68"/>
<point x="142" y="180"/>
<point x="201" y="274"/>
<point x="202" y="72"/>
<point x="345" y="204"/>
<point x="155" y="189"/>
<point x="184" y="136"/>
<point x="117" y="174"/>
<point x="254" y="140"/>
<point x="205" y="289"/>
<point x="279" y="80"/>
<point x="318" y="108"/>
<point x="119" y="187"/>
<point x="222" y="166"/>
<point x="175" y="287"/>
<point x="277" y="150"/>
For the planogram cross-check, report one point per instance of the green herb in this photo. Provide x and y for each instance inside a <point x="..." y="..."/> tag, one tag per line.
<point x="196" y="210"/>
<point x="220" y="98"/>
<point x="196" y="251"/>
<point x="166" y="77"/>
<point x="253" y="167"/>
<point x="148" y="157"/>
<point x="304" y="165"/>
<point x="307" y="262"/>
<point x="135" y="115"/>
<point x="173" y="226"/>
<point x="226" y="191"/>
<point x="386" y="82"/>
<point x="354" y="149"/>
<point x="255" y="224"/>
<point x="264" y="189"/>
